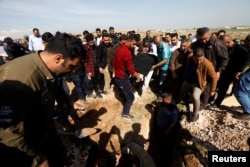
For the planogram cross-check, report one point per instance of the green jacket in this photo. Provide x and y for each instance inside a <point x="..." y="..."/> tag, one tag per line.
<point x="27" y="97"/>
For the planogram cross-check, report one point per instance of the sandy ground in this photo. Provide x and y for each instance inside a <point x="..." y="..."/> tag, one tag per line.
<point x="105" y="114"/>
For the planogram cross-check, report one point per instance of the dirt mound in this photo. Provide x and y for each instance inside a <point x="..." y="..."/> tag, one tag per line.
<point x="215" y="130"/>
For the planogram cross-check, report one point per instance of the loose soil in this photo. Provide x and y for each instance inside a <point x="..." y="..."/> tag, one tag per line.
<point x="215" y="130"/>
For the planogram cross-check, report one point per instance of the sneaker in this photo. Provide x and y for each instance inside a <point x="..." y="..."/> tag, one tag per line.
<point x="243" y="116"/>
<point x="136" y="94"/>
<point x="127" y="116"/>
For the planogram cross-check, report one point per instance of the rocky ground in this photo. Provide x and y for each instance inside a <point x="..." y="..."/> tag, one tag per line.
<point x="215" y="130"/>
<point x="218" y="130"/>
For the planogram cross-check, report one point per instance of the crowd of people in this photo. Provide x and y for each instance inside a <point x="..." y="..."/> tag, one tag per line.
<point x="35" y="76"/>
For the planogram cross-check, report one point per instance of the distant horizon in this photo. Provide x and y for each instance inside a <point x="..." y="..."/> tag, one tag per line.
<point x="18" y="18"/>
<point x="19" y="34"/>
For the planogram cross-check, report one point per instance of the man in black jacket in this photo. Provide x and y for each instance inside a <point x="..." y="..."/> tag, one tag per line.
<point x="13" y="49"/>
<point x="239" y="57"/>
<point x="101" y="62"/>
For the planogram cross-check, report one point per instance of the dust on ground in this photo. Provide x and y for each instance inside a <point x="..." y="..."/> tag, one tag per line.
<point x="215" y="130"/>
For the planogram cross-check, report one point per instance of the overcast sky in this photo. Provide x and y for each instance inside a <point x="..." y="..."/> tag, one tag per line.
<point x="19" y="17"/>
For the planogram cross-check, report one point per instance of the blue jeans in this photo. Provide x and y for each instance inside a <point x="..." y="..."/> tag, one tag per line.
<point x="126" y="88"/>
<point x="82" y="86"/>
<point x="242" y="92"/>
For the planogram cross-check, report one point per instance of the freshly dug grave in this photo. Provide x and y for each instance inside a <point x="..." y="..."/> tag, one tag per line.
<point x="215" y="130"/>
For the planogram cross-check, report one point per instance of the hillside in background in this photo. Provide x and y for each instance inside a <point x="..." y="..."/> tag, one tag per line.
<point x="236" y="32"/>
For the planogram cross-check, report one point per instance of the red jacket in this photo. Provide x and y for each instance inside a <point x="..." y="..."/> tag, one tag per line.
<point x="123" y="62"/>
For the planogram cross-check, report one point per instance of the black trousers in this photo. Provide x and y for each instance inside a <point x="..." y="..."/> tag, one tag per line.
<point x="223" y="84"/>
<point x="13" y="157"/>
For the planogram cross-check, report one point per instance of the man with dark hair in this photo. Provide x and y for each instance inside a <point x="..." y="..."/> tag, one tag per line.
<point x="242" y="94"/>
<point x="215" y="51"/>
<point x="247" y="43"/>
<point x="167" y="38"/>
<point x="35" y="41"/>
<point x="148" y="37"/>
<point x="113" y="36"/>
<point x="90" y="64"/>
<point x="14" y="50"/>
<point x="84" y="34"/>
<point x="178" y="65"/>
<point x="166" y="129"/>
<point x="123" y="68"/>
<point x="164" y="57"/>
<point x="136" y="50"/>
<point x="167" y="114"/>
<point x="242" y="87"/>
<point x="239" y="58"/>
<point x="98" y="37"/>
<point x="199" y="70"/>
<point x="175" y="43"/>
<point x="190" y="37"/>
<point x="101" y="62"/>
<point x="221" y="33"/>
<point x="45" y="38"/>
<point x="28" y="90"/>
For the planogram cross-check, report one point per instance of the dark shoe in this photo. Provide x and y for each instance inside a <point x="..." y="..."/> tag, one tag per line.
<point x="127" y="116"/>
<point x="202" y="107"/>
<point x="195" y="117"/>
<point x="91" y="96"/>
<point x="243" y="116"/>
<point x="98" y="95"/>
<point x="159" y="99"/>
<point x="213" y="107"/>
<point x="104" y="92"/>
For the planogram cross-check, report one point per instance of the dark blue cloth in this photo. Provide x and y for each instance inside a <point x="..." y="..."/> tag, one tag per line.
<point x="126" y="88"/>
<point x="82" y="86"/>
<point x="166" y="115"/>
<point x="191" y="76"/>
<point x="242" y="91"/>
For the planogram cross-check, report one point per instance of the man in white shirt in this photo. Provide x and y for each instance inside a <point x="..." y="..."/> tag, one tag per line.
<point x="98" y="37"/>
<point x="3" y="54"/>
<point x="175" y="43"/>
<point x="35" y="41"/>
